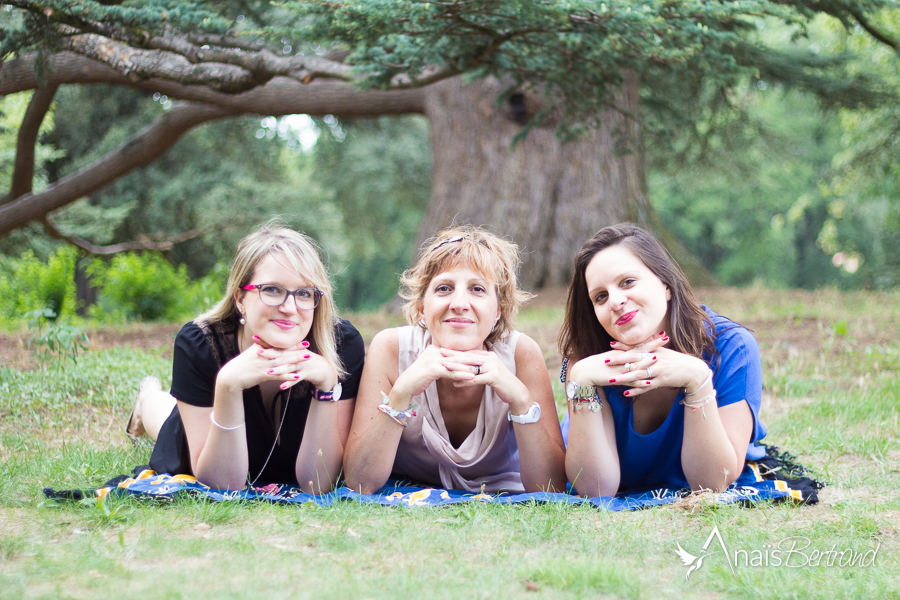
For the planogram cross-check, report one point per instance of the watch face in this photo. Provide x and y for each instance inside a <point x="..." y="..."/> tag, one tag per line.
<point x="338" y="388"/>
<point x="570" y="390"/>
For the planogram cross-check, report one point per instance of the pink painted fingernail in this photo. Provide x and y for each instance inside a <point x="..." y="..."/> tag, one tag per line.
<point x="270" y="371"/>
<point x="305" y="344"/>
<point x="646" y="383"/>
<point x="306" y="356"/>
<point x="260" y="351"/>
<point x="284" y="386"/>
<point x="255" y="337"/>
<point x="654" y="358"/>
<point x="612" y="380"/>
<point x="607" y="360"/>
<point x="298" y="377"/>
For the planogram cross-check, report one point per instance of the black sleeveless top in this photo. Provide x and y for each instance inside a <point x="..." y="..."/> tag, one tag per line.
<point x="199" y="354"/>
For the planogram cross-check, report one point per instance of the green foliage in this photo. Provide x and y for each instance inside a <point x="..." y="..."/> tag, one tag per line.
<point x="28" y="284"/>
<point x="143" y="287"/>
<point x="378" y="175"/>
<point x="52" y="342"/>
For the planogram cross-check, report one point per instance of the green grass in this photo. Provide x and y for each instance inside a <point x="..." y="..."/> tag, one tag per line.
<point x="832" y="399"/>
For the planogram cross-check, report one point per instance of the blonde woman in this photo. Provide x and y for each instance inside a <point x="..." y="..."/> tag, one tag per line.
<point x="457" y="399"/>
<point x="263" y="385"/>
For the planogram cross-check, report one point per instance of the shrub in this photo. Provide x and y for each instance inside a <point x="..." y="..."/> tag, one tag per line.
<point x="142" y="287"/>
<point x="27" y="284"/>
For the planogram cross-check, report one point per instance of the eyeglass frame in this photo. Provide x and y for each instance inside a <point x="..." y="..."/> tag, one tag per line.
<point x="317" y="294"/>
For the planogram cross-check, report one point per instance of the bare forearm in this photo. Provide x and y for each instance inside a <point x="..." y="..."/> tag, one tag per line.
<point x="541" y="459"/>
<point x="592" y="464"/>
<point x="223" y="461"/>
<point x="369" y="459"/>
<point x="321" y="452"/>
<point x="708" y="457"/>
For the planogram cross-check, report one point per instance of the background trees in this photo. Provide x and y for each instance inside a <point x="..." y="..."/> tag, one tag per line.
<point x="671" y="77"/>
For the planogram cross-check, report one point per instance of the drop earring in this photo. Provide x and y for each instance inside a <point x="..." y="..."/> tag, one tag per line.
<point x="242" y="320"/>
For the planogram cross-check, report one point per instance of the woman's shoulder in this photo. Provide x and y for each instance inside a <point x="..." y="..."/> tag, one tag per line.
<point x="732" y="337"/>
<point x="191" y="337"/>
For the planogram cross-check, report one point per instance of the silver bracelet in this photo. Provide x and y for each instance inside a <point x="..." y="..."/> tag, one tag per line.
<point x="705" y="381"/>
<point x="212" y="418"/>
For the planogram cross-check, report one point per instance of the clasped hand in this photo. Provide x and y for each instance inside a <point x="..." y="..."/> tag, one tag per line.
<point x="465" y="369"/>
<point x="263" y="362"/>
<point x="643" y="367"/>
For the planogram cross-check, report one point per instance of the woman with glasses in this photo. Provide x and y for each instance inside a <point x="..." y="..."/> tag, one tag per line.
<point x="457" y="399"/>
<point x="263" y="384"/>
<point x="662" y="392"/>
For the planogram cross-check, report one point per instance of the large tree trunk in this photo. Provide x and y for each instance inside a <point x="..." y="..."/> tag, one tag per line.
<point x="547" y="196"/>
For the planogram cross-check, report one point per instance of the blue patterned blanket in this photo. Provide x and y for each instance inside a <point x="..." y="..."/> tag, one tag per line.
<point x="774" y="477"/>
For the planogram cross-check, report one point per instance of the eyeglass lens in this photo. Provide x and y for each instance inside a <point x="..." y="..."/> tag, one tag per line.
<point x="275" y="295"/>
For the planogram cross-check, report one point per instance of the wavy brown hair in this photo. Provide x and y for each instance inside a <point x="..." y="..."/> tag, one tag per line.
<point x="482" y="251"/>
<point x="690" y="329"/>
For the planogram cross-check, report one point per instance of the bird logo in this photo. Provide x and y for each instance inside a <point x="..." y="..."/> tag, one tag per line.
<point x="689" y="559"/>
<point x="695" y="562"/>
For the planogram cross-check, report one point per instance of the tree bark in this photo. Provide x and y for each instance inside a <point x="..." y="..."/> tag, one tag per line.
<point x="547" y="196"/>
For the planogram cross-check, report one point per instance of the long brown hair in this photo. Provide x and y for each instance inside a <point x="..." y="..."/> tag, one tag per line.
<point x="690" y="329"/>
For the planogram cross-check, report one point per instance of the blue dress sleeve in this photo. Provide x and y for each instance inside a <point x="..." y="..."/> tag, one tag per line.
<point x="738" y="375"/>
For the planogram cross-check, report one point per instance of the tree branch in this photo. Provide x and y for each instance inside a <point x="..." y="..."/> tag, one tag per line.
<point x="23" y="171"/>
<point x="278" y="97"/>
<point x="138" y="151"/>
<point x="875" y="33"/>
<point x="147" y="242"/>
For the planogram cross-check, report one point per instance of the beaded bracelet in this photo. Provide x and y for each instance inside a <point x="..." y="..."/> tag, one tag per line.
<point x="593" y="404"/>
<point x="395" y="414"/>
<point x="700" y="403"/>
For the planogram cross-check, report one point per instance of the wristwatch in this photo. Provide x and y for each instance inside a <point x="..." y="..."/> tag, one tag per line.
<point x="532" y="416"/>
<point x="575" y="391"/>
<point x="333" y="396"/>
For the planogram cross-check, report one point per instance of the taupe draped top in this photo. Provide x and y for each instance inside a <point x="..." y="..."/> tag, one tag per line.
<point x="488" y="457"/>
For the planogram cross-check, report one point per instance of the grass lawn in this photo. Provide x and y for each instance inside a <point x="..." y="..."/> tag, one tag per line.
<point x="832" y="398"/>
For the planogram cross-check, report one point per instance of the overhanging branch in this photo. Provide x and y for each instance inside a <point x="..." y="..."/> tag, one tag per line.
<point x="23" y="171"/>
<point x="147" y="242"/>
<point x="137" y="151"/>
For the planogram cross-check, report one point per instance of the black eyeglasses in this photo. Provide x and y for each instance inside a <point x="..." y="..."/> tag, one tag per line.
<point x="272" y="294"/>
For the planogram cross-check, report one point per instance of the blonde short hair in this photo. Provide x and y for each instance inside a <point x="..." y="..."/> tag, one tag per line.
<point x="302" y="256"/>
<point x="478" y="249"/>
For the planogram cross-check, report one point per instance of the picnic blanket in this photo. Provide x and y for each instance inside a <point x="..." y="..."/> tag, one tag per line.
<point x="776" y="477"/>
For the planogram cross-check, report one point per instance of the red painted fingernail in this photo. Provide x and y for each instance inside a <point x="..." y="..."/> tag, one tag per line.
<point x="306" y="356"/>
<point x="270" y="371"/>
<point x="612" y="343"/>
<point x="305" y="344"/>
<point x="662" y="333"/>
<point x="607" y="360"/>
<point x="612" y="380"/>
<point x="666" y="339"/>
<point x="654" y="358"/>
<point x="647" y="383"/>
<point x="626" y="393"/>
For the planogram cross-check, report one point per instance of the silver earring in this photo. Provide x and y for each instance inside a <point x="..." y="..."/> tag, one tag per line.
<point x="242" y="320"/>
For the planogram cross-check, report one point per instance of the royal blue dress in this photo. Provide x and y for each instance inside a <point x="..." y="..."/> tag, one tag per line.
<point x="654" y="460"/>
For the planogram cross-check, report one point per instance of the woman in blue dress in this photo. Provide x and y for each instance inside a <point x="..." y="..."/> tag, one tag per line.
<point x="662" y="392"/>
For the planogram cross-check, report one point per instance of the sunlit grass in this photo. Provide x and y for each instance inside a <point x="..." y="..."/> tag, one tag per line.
<point x="832" y="399"/>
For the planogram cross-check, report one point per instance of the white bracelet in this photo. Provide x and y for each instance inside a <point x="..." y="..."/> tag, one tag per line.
<point x="212" y="417"/>
<point x="700" y="403"/>
<point x="705" y="381"/>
